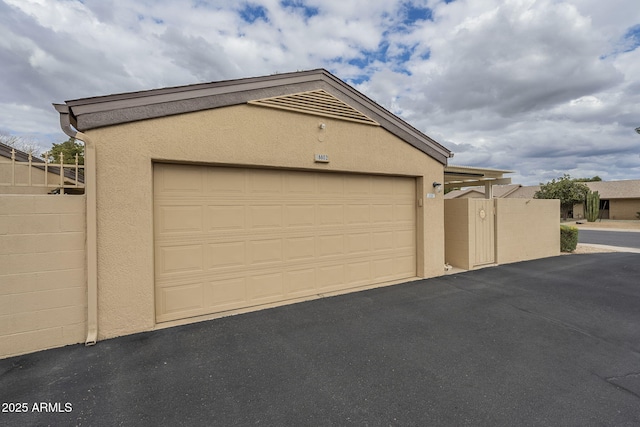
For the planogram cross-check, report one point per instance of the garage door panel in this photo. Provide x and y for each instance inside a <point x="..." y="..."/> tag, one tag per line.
<point x="265" y="182"/>
<point x="331" y="185"/>
<point x="382" y="240"/>
<point x="300" y="184"/>
<point x="330" y="276"/>
<point x="264" y="251"/>
<point x="299" y="283"/>
<point x="330" y="215"/>
<point x="267" y="216"/>
<point x="225" y="293"/>
<point x="402" y="190"/>
<point x="181" y="299"/>
<point x="382" y="213"/>
<point x="404" y="213"/>
<point x="359" y="272"/>
<point x="300" y="248"/>
<point x="358" y="243"/>
<point x="180" y="259"/>
<point x="226" y="254"/>
<point x="227" y="181"/>
<point x="404" y="239"/>
<point x="330" y="245"/>
<point x="405" y="265"/>
<point x="178" y="219"/>
<point x="357" y="214"/>
<point x="358" y="186"/>
<point x="229" y="217"/>
<point x="265" y="286"/>
<point x="383" y="269"/>
<point x="249" y="237"/>
<point x="300" y="215"/>
<point x="383" y="185"/>
<point x="178" y="179"/>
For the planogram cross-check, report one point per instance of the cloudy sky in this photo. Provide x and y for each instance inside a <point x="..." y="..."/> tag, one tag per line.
<point x="542" y="87"/>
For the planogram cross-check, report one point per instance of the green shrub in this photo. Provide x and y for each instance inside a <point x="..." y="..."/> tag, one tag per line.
<point x="568" y="238"/>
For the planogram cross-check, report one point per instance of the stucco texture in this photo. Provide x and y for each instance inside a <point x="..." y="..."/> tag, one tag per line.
<point x="242" y="135"/>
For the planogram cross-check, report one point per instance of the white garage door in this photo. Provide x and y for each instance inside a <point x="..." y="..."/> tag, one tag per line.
<point x="230" y="238"/>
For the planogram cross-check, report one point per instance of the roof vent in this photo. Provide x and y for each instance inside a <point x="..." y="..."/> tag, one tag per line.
<point x="316" y="102"/>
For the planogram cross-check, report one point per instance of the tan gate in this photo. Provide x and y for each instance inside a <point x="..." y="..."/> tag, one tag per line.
<point x="483" y="233"/>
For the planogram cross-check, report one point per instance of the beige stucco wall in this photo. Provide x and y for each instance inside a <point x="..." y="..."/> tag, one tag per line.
<point x="239" y="135"/>
<point x="43" y="290"/>
<point x="624" y="209"/>
<point x="526" y="229"/>
<point x="457" y="245"/>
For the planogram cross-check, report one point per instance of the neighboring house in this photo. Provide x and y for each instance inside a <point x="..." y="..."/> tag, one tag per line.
<point x="618" y="199"/>
<point x="22" y="174"/>
<point x="251" y="193"/>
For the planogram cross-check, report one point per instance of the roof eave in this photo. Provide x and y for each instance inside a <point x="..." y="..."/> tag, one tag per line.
<point x="102" y="111"/>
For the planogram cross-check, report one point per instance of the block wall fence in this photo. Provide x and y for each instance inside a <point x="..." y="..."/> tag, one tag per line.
<point x="42" y="272"/>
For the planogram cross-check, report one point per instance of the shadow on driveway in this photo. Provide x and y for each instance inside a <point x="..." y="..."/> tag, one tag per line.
<point x="546" y="342"/>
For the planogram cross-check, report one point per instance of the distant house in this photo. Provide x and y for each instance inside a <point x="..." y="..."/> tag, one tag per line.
<point x="618" y="199"/>
<point x="20" y="174"/>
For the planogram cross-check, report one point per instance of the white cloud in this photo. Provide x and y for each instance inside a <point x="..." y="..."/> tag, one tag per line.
<point x="540" y="86"/>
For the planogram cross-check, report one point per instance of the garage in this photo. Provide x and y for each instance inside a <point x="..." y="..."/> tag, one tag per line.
<point x="230" y="238"/>
<point x="220" y="198"/>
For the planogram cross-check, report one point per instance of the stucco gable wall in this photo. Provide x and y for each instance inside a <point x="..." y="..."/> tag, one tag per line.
<point x="239" y="135"/>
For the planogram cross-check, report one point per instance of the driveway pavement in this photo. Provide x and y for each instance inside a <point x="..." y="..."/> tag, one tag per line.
<point x="616" y="238"/>
<point x="547" y="342"/>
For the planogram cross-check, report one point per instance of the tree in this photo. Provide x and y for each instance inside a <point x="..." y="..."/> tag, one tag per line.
<point x="566" y="189"/>
<point x="594" y="179"/>
<point x="69" y="149"/>
<point x="20" y="143"/>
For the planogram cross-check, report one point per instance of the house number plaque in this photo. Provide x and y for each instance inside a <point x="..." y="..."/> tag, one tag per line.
<point x="322" y="158"/>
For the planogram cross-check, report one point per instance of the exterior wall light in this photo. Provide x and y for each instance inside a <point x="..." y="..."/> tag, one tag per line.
<point x="437" y="186"/>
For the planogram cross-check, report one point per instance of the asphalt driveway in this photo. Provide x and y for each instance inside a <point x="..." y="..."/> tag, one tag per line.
<point x="547" y="342"/>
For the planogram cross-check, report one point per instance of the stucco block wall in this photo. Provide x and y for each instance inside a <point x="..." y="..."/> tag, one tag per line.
<point x="242" y="135"/>
<point x="42" y="279"/>
<point x="526" y="229"/>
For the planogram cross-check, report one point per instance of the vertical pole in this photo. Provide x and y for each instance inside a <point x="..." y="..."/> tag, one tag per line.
<point x="13" y="166"/>
<point x="61" y="174"/>
<point x="30" y="168"/>
<point x="488" y="190"/>
<point x="76" y="169"/>
<point x="46" y="169"/>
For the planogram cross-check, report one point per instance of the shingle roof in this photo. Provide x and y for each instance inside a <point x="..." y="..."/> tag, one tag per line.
<point x="627" y="189"/>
